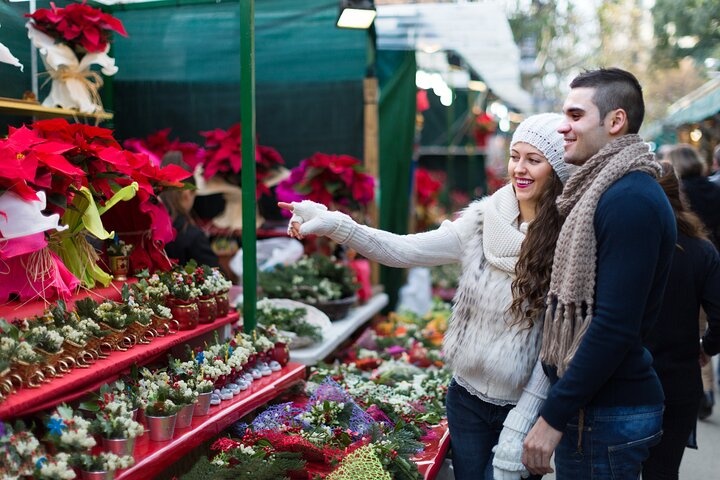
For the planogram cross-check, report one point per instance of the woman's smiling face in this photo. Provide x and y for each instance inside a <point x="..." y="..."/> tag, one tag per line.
<point x="529" y="172"/>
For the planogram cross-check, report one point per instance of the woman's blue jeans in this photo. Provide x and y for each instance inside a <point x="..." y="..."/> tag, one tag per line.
<point x="475" y="426"/>
<point x="610" y="444"/>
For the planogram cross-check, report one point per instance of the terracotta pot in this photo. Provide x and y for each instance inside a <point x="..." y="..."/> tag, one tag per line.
<point x="207" y="309"/>
<point x="186" y="313"/>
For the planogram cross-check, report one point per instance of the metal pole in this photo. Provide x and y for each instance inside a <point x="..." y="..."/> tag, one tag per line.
<point x="247" y="117"/>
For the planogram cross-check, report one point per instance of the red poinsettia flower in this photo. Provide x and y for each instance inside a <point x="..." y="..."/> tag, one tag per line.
<point x="223" y="156"/>
<point x="157" y="144"/>
<point x="338" y="181"/>
<point x="426" y="187"/>
<point x="82" y="27"/>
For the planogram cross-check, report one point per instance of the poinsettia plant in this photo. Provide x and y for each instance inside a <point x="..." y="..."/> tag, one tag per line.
<point x="338" y="181"/>
<point x="223" y="156"/>
<point x="157" y="144"/>
<point x="83" y="28"/>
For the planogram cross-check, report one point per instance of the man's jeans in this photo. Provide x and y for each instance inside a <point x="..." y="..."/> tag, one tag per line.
<point x="611" y="443"/>
<point x="475" y="426"/>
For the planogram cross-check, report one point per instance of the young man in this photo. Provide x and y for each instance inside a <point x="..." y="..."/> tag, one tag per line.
<point x="604" y="408"/>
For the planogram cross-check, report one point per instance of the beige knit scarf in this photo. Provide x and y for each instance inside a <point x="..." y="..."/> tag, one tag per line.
<point x="572" y="283"/>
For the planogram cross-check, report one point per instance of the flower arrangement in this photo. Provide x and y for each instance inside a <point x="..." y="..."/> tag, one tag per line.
<point x="103" y="462"/>
<point x="151" y="291"/>
<point x="287" y="319"/>
<point x="71" y="39"/>
<point x="181" y="284"/>
<point x="484" y="126"/>
<point x="427" y="190"/>
<point x="155" y="394"/>
<point x="20" y="451"/>
<point x="314" y="278"/>
<point x="44" y="338"/>
<point x="118" y="248"/>
<point x="81" y="173"/>
<point x="112" y="314"/>
<point x="222" y="156"/>
<point x="69" y="432"/>
<point x="192" y="373"/>
<point x="14" y="347"/>
<point x="337" y="181"/>
<point x="114" y="420"/>
<point x="84" y="28"/>
<point x="326" y="429"/>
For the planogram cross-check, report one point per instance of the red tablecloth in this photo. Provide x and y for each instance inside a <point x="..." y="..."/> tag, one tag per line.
<point x="79" y="381"/>
<point x="151" y="458"/>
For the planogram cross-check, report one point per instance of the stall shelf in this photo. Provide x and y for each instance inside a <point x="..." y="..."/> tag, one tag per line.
<point x="339" y="331"/>
<point x="79" y="381"/>
<point x="30" y="108"/>
<point x="151" y="457"/>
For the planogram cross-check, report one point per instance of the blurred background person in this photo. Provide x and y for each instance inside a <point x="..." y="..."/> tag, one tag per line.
<point x="694" y="282"/>
<point x="191" y="242"/>
<point x="704" y="198"/>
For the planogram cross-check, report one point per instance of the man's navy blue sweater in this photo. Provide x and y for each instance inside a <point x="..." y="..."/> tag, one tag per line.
<point x="635" y="232"/>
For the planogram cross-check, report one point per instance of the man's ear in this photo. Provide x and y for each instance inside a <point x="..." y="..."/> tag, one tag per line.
<point x="618" y="122"/>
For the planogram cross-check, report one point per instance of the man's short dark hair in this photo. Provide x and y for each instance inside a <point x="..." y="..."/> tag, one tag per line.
<point x="615" y="88"/>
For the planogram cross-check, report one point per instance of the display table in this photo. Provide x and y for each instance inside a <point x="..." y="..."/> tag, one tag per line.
<point x="431" y="459"/>
<point x="151" y="458"/>
<point x="339" y="331"/>
<point x="76" y="383"/>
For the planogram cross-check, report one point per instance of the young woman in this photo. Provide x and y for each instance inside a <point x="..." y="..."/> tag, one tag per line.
<point x="694" y="282"/>
<point x="493" y="340"/>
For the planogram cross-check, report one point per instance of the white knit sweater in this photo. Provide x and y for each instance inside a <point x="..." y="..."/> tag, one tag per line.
<point x="489" y="357"/>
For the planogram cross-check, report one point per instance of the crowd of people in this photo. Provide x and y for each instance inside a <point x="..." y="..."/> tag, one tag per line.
<point x="574" y="332"/>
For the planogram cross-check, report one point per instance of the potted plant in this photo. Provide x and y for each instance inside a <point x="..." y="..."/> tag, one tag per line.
<point x="118" y="253"/>
<point x="183" y="395"/>
<point x="159" y="410"/>
<point x="101" y="466"/>
<point x="115" y="424"/>
<point x="292" y="319"/>
<point x="183" y="295"/>
<point x="151" y="291"/>
<point x="318" y="280"/>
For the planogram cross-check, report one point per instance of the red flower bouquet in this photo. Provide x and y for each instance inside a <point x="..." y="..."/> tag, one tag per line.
<point x="223" y="156"/>
<point x="71" y="40"/>
<point x="338" y="181"/>
<point x="83" y="28"/>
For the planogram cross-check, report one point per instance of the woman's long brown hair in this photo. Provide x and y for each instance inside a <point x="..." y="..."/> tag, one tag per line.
<point x="687" y="221"/>
<point x="534" y="265"/>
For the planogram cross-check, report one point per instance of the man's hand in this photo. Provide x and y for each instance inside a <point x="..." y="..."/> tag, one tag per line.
<point x="539" y="446"/>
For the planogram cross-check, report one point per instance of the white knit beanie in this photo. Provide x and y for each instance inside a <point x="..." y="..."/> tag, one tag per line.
<point x="540" y="131"/>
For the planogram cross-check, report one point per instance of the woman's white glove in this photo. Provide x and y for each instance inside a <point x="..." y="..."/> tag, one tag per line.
<point x="311" y="218"/>
<point x="507" y="462"/>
